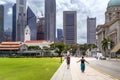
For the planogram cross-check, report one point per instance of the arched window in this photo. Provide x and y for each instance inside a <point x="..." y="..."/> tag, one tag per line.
<point x="118" y="13"/>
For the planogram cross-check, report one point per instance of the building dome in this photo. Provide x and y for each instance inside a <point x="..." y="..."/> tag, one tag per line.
<point x="114" y="3"/>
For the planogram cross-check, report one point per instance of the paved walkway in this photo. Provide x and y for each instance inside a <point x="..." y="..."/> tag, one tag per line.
<point x="74" y="72"/>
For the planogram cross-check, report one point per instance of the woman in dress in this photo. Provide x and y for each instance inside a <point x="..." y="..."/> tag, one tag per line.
<point x="82" y="64"/>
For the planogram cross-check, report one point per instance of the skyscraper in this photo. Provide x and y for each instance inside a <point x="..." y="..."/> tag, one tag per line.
<point x="40" y="28"/>
<point x="70" y="27"/>
<point x="20" y="19"/>
<point x="7" y="34"/>
<point x="1" y="22"/>
<point x="91" y="30"/>
<point x="59" y="34"/>
<point x="31" y="22"/>
<point x="14" y="23"/>
<point x="50" y="20"/>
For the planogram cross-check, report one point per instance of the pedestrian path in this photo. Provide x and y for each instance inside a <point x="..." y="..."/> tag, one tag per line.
<point x="62" y="73"/>
<point x="74" y="72"/>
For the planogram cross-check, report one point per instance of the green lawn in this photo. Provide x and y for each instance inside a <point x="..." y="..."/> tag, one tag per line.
<point x="28" y="68"/>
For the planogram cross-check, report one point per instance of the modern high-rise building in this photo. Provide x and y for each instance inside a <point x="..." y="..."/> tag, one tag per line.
<point x="8" y="34"/>
<point x="14" y="22"/>
<point x="91" y="30"/>
<point x="40" y="28"/>
<point x="70" y="27"/>
<point x="1" y="22"/>
<point x="59" y="34"/>
<point x="20" y="19"/>
<point x="50" y="20"/>
<point x="31" y="22"/>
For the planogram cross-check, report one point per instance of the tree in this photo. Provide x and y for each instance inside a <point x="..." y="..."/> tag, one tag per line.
<point x="59" y="49"/>
<point x="52" y="46"/>
<point x="104" y="43"/>
<point x="73" y="49"/>
<point x="34" y="48"/>
<point x="84" y="47"/>
<point x="45" y="48"/>
<point x="93" y="46"/>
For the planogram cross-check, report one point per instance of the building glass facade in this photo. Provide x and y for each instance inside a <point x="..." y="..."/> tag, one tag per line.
<point x="59" y="34"/>
<point x="31" y="22"/>
<point x="40" y="28"/>
<point x="70" y="27"/>
<point x="50" y="20"/>
<point x="14" y="23"/>
<point x="21" y="20"/>
<point x="1" y="22"/>
<point x="91" y="30"/>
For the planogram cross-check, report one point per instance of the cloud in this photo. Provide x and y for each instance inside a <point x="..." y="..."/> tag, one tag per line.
<point x="37" y="6"/>
<point x="2" y="2"/>
<point x="8" y="15"/>
<point x="9" y="11"/>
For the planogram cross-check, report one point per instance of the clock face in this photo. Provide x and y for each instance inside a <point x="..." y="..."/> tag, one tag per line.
<point x="27" y="32"/>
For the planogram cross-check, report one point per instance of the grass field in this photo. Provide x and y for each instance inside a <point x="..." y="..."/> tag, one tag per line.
<point x="28" y="68"/>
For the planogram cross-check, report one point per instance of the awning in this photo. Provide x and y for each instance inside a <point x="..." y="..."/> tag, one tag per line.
<point x="116" y="48"/>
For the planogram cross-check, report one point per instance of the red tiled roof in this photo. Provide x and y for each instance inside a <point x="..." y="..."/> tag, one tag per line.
<point x="10" y="43"/>
<point x="9" y="48"/>
<point x="36" y="41"/>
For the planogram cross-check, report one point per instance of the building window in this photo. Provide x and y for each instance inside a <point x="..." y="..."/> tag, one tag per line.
<point x="69" y="19"/>
<point x="21" y="9"/>
<point x="118" y="13"/>
<point x="24" y="14"/>
<point x="19" y="14"/>
<point x="110" y="16"/>
<point x="22" y="2"/>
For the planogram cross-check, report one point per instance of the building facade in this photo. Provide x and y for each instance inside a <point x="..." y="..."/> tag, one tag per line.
<point x="50" y="20"/>
<point x="20" y="19"/>
<point x="31" y="22"/>
<point x="14" y="22"/>
<point x="70" y="27"/>
<point x="111" y="28"/>
<point x="40" y="28"/>
<point x="8" y="34"/>
<point x="1" y="23"/>
<point x="91" y="30"/>
<point x="27" y="33"/>
<point x="60" y="35"/>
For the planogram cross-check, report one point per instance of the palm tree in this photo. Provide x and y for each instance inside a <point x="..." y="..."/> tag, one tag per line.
<point x="104" y="43"/>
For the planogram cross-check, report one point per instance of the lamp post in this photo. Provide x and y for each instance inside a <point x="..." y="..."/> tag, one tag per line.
<point x="109" y="49"/>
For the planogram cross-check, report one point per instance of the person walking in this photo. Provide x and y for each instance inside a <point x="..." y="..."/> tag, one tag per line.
<point x="82" y="65"/>
<point x="68" y="61"/>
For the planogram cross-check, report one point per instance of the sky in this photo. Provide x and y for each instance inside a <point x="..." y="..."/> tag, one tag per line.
<point x="84" y="8"/>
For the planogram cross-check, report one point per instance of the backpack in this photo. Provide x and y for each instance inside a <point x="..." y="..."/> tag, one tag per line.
<point x="68" y="57"/>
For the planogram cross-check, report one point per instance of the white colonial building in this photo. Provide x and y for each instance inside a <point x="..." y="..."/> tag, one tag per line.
<point x="27" y="33"/>
<point x="111" y="28"/>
